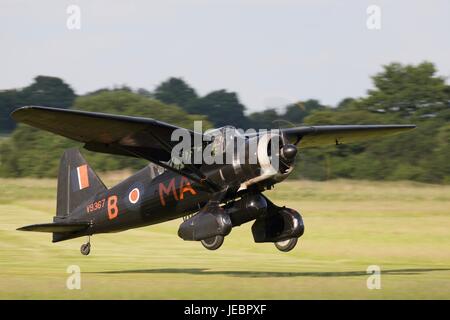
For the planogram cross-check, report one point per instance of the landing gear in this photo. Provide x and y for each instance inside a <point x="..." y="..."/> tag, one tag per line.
<point x="213" y="243"/>
<point x="86" y="247"/>
<point x="286" y="245"/>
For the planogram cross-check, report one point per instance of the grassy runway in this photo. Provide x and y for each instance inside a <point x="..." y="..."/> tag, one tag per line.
<point x="402" y="227"/>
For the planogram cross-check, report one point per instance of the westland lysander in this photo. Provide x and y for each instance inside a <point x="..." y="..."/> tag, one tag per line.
<point x="212" y="197"/>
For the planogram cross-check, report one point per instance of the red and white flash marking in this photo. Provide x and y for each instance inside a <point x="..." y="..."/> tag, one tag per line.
<point x="134" y="195"/>
<point x="83" y="177"/>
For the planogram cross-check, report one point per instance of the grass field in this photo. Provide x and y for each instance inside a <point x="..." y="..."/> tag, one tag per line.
<point x="402" y="227"/>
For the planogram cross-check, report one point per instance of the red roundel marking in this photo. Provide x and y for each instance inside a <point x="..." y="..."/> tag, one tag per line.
<point x="134" y="195"/>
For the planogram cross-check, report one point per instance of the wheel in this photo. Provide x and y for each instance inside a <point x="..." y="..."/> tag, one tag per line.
<point x="85" y="249"/>
<point x="286" y="245"/>
<point x="213" y="243"/>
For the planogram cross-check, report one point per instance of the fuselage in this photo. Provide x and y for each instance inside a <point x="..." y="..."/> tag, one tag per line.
<point x="151" y="196"/>
<point x="140" y="200"/>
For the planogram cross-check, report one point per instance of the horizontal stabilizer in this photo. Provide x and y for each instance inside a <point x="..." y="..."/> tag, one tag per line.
<point x="57" y="227"/>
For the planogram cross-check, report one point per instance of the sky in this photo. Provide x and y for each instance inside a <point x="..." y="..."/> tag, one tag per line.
<point x="271" y="52"/>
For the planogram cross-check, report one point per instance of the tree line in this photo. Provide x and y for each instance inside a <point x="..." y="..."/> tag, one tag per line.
<point x="400" y="94"/>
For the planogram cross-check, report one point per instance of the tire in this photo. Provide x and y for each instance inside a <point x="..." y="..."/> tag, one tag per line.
<point x="213" y="243"/>
<point x="85" y="249"/>
<point x="286" y="245"/>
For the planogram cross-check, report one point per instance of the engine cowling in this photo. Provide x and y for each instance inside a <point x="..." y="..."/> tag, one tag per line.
<point x="278" y="225"/>
<point x="275" y="160"/>
<point x="263" y="159"/>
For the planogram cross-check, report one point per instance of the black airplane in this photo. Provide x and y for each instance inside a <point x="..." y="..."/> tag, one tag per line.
<point x="212" y="198"/>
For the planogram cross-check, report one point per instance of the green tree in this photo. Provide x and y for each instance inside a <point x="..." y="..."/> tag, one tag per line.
<point x="49" y="92"/>
<point x="33" y="152"/>
<point x="9" y="100"/>
<point x="266" y="119"/>
<point x="297" y="112"/>
<point x="346" y="103"/>
<point x="293" y="116"/>
<point x="44" y="91"/>
<point x="401" y="94"/>
<point x="407" y="90"/>
<point x="175" y="91"/>
<point x="221" y="107"/>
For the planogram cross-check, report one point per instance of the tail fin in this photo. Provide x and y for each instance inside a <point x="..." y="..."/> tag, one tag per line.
<point x="77" y="182"/>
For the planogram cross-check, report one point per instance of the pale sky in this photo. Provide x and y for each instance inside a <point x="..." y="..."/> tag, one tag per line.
<point x="271" y="52"/>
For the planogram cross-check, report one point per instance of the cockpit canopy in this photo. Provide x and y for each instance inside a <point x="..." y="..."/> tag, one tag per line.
<point x="224" y="138"/>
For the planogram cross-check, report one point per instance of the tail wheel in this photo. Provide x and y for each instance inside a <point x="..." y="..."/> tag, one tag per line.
<point x="286" y="245"/>
<point x="85" y="249"/>
<point x="213" y="243"/>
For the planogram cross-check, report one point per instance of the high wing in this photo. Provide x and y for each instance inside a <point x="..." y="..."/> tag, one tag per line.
<point x="151" y="139"/>
<point x="312" y="136"/>
<point x="106" y="133"/>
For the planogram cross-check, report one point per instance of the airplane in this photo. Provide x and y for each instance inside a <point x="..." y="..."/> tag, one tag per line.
<point x="212" y="198"/>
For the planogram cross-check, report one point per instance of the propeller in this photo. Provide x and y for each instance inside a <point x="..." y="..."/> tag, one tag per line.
<point x="288" y="151"/>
